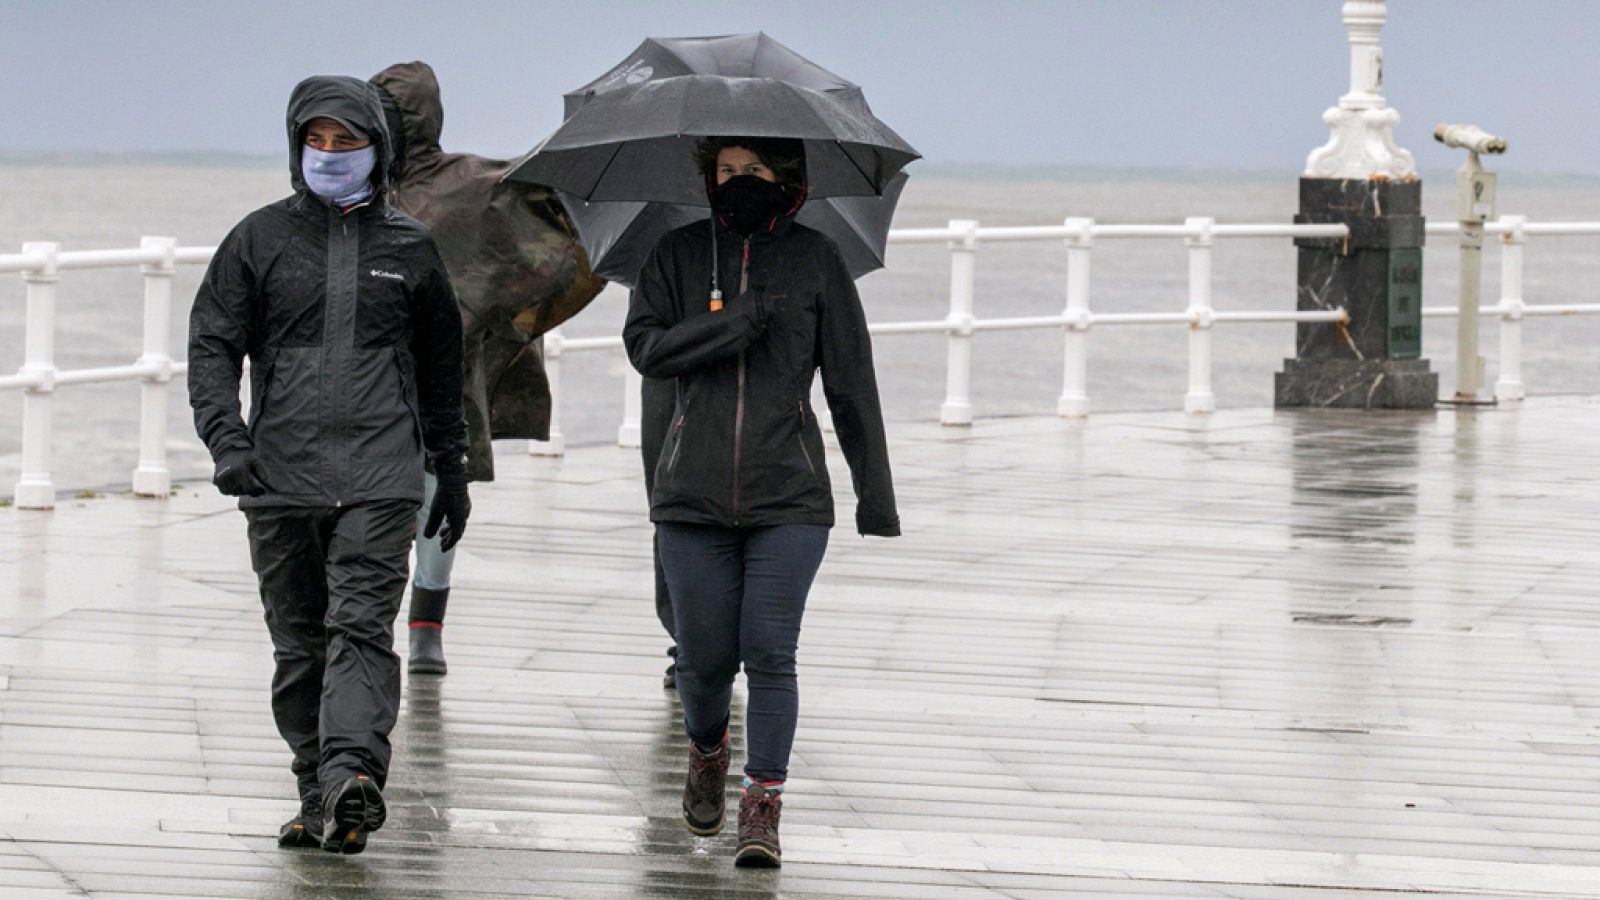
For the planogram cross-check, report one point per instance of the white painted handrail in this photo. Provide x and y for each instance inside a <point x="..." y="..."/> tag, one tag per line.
<point x="41" y="264"/>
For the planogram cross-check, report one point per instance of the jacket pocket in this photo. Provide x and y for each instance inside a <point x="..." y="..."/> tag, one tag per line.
<point x="260" y="390"/>
<point x="408" y="394"/>
<point x="286" y="423"/>
<point x="677" y="444"/>
<point x="800" y="436"/>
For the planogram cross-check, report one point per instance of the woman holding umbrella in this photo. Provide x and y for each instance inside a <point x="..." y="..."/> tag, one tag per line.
<point x="742" y="500"/>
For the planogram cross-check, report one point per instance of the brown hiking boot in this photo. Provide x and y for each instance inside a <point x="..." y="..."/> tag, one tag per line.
<point x="705" y="792"/>
<point x="759" y="810"/>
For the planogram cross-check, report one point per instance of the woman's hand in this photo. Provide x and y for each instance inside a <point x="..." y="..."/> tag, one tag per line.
<point x="758" y="304"/>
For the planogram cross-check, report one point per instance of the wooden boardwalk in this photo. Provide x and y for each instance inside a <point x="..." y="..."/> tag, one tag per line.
<point x="1254" y="655"/>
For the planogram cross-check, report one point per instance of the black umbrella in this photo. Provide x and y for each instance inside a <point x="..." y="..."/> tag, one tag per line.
<point x="619" y="235"/>
<point x="630" y="134"/>
<point x="735" y="56"/>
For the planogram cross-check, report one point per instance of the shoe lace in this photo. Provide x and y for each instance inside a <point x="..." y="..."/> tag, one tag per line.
<point x="710" y="772"/>
<point x="758" y="815"/>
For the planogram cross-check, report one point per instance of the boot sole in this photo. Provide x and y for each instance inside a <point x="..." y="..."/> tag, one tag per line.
<point x="696" y="828"/>
<point x="355" y="814"/>
<point x="758" y="856"/>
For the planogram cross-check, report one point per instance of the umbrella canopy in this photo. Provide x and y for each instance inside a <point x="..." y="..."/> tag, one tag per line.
<point x="620" y="235"/>
<point x="734" y="56"/>
<point x="630" y="134"/>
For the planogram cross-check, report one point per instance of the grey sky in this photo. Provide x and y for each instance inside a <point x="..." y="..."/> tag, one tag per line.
<point x="1231" y="83"/>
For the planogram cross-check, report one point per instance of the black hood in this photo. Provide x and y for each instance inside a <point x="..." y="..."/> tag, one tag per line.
<point x="411" y="100"/>
<point x="351" y="101"/>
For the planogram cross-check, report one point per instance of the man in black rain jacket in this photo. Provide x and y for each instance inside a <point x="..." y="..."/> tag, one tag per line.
<point x="345" y="311"/>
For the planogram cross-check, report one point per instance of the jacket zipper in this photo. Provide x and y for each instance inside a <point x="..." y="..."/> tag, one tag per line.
<point x="803" y="451"/>
<point x="340" y="431"/>
<point x="738" y="407"/>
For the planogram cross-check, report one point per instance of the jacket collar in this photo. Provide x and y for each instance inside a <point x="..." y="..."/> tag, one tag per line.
<point x="778" y="228"/>
<point x="310" y="203"/>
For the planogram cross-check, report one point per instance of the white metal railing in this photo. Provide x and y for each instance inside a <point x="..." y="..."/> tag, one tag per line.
<point x="40" y="265"/>
<point x="1514" y="232"/>
<point x="964" y="236"/>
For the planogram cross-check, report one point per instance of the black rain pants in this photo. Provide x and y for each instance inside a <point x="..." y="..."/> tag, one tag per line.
<point x="332" y="579"/>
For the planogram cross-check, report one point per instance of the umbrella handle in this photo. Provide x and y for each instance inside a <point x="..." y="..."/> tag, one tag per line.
<point x="716" y="301"/>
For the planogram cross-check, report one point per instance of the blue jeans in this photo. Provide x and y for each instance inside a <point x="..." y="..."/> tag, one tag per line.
<point x="433" y="564"/>
<point x="738" y="595"/>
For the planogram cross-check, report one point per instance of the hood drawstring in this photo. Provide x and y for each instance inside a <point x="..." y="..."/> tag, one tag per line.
<point x="716" y="266"/>
<point x="801" y="193"/>
<point x="716" y="260"/>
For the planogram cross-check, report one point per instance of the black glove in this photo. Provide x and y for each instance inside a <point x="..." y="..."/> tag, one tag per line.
<point x="238" y="475"/>
<point x="451" y="507"/>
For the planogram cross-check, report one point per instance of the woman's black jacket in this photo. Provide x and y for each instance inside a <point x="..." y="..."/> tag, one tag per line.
<point x="744" y="449"/>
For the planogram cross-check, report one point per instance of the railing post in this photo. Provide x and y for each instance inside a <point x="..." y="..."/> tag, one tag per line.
<point x="1508" y="387"/>
<point x="632" y="404"/>
<point x="152" y="478"/>
<point x="1202" y="316"/>
<point x="957" y="408"/>
<point x="554" y="343"/>
<point x="34" y="488"/>
<point x="1074" y="400"/>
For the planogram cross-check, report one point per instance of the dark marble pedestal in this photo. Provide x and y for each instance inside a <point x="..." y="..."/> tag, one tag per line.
<point x="1357" y="384"/>
<point x="1375" y="275"/>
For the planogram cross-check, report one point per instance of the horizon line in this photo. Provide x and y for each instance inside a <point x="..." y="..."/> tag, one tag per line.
<point x="958" y="169"/>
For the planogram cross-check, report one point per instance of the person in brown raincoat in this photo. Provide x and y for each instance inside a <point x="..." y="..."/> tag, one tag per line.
<point x="518" y="271"/>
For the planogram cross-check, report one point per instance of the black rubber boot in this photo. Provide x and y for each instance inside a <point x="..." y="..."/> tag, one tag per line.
<point x="669" y="680"/>
<point x="427" y="630"/>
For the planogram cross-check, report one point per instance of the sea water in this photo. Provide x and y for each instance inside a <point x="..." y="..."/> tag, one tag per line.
<point x="100" y="316"/>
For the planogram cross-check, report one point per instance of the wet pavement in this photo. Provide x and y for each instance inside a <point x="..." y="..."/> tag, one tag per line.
<point x="1257" y="655"/>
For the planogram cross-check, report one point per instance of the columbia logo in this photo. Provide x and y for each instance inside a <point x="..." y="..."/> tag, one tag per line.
<point x="379" y="273"/>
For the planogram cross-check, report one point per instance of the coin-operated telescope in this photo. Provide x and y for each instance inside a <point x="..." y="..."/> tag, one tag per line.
<point x="1469" y="137"/>
<point x="1475" y="189"/>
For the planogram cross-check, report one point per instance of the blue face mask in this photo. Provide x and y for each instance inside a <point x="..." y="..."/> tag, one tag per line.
<point x="342" y="178"/>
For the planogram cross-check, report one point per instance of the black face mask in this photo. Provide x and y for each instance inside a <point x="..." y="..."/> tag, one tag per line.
<point x="747" y="202"/>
